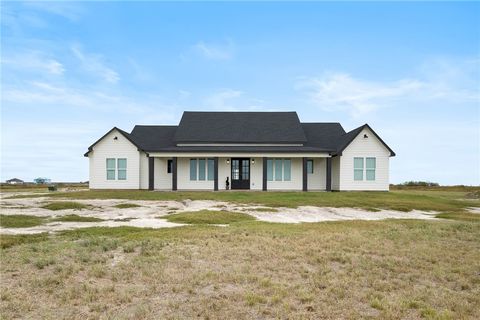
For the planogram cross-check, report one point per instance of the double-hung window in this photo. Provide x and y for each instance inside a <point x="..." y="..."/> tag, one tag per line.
<point x="193" y="169"/>
<point x="111" y="169"/>
<point x="116" y="169"/>
<point x="211" y="169"/>
<point x="122" y="169"/>
<point x="270" y="169"/>
<point x="370" y="165"/>
<point x="202" y="169"/>
<point x="279" y="169"/>
<point x="287" y="164"/>
<point x="358" y="169"/>
<point x="364" y="167"/>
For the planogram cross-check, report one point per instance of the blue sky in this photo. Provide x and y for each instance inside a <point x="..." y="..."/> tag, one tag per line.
<point x="71" y="71"/>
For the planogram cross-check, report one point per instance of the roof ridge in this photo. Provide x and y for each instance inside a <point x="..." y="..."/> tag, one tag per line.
<point x="240" y="112"/>
<point x="320" y="122"/>
<point x="155" y="125"/>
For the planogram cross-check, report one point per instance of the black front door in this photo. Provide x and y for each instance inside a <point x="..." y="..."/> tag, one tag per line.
<point x="240" y="173"/>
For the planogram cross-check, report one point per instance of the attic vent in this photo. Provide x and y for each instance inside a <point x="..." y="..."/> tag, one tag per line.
<point x="365" y="136"/>
<point x="116" y="138"/>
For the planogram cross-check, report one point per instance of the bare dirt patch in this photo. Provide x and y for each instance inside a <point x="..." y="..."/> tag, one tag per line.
<point x="149" y="214"/>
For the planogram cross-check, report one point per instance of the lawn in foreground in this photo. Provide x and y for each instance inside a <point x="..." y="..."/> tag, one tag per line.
<point x="355" y="269"/>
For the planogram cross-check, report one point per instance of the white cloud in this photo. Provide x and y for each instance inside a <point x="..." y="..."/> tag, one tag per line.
<point x="44" y="93"/>
<point x="34" y="61"/>
<point x="340" y="91"/>
<point x="440" y="79"/>
<point x="94" y="64"/>
<point x="67" y="9"/>
<point x="215" y="51"/>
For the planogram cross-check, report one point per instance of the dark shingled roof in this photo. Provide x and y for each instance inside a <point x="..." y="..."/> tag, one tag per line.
<point x="243" y="127"/>
<point x="324" y="135"/>
<point x="154" y="138"/>
<point x="240" y="127"/>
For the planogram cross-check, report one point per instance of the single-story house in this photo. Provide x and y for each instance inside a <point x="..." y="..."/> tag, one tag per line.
<point x="240" y="150"/>
<point x="15" y="181"/>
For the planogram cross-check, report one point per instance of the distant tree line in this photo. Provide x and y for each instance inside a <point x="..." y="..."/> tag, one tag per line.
<point x="419" y="184"/>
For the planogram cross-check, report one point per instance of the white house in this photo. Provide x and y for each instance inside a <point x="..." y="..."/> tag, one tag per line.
<point x="246" y="150"/>
<point x="15" y="181"/>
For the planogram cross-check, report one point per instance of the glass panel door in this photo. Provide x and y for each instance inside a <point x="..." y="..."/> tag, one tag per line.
<point x="245" y="169"/>
<point x="235" y="169"/>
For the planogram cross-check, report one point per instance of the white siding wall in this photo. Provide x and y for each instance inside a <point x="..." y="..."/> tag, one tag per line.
<point x="296" y="180"/>
<point x="336" y="173"/>
<point x="143" y="170"/>
<point x="318" y="179"/>
<point x="361" y="147"/>
<point x="256" y="174"/>
<point x="110" y="148"/>
<point x="162" y="179"/>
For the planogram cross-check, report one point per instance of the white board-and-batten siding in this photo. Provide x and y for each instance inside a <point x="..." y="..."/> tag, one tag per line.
<point x="362" y="147"/>
<point x="109" y="147"/>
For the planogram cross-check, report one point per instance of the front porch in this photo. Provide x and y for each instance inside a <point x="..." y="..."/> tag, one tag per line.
<point x="296" y="172"/>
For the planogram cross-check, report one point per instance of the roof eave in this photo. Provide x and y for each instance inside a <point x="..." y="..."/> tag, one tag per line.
<point x="123" y="133"/>
<point x="339" y="152"/>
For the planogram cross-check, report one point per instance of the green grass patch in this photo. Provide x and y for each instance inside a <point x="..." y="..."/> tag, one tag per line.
<point x="20" y="221"/>
<point x="76" y="218"/>
<point x="463" y="216"/>
<point x="65" y="205"/>
<point x="126" y="205"/>
<point x="7" y="241"/>
<point x="209" y="217"/>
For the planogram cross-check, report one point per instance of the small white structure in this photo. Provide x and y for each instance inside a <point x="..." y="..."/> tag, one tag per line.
<point x="15" y="181"/>
<point x="241" y="150"/>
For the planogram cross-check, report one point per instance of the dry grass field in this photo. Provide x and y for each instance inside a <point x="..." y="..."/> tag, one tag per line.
<point x="391" y="269"/>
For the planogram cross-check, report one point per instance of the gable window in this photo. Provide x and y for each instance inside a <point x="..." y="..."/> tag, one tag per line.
<point x="358" y="169"/>
<point x="370" y="165"/>
<point x="309" y="166"/>
<point x="169" y="166"/>
<point x="111" y="169"/>
<point x="122" y="169"/>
